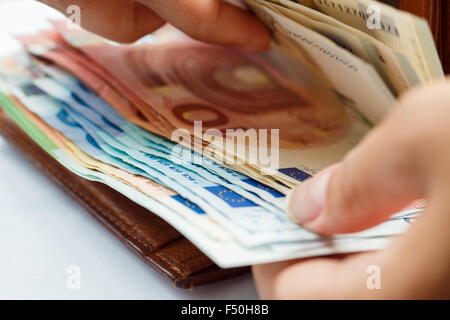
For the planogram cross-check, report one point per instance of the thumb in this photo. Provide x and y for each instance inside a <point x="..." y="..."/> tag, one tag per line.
<point x="376" y="180"/>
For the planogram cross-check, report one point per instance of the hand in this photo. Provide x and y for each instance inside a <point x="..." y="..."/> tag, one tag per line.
<point x="406" y="157"/>
<point x="211" y="21"/>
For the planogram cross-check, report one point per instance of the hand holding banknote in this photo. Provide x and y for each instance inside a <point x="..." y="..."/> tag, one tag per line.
<point x="401" y="160"/>
<point x="405" y="158"/>
<point x="211" y="21"/>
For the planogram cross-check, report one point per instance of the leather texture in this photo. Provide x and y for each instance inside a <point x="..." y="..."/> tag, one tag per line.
<point x="150" y="237"/>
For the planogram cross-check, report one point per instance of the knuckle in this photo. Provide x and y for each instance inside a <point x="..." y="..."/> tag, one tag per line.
<point x="202" y="31"/>
<point x="205" y="28"/>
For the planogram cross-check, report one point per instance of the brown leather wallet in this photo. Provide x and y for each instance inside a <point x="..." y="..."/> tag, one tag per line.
<point x="155" y="241"/>
<point x="150" y="237"/>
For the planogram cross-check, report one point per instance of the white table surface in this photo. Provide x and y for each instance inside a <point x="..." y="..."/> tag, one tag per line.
<point x="43" y="231"/>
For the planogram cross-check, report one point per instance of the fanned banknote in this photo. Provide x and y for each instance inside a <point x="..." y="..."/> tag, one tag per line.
<point x="225" y="89"/>
<point x="398" y="29"/>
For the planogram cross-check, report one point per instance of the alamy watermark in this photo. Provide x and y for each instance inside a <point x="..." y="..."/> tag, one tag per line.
<point x="73" y="281"/>
<point x="373" y="282"/>
<point x="374" y="17"/>
<point x="257" y="146"/>
<point x="73" y="17"/>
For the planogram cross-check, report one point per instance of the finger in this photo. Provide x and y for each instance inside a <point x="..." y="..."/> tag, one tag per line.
<point x="414" y="266"/>
<point x="266" y="275"/>
<point x="382" y="175"/>
<point x="269" y="278"/>
<point x="319" y="278"/>
<point x="213" y="21"/>
<point x="118" y="20"/>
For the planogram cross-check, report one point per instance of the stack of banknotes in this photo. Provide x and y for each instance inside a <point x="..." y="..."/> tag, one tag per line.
<point x="212" y="139"/>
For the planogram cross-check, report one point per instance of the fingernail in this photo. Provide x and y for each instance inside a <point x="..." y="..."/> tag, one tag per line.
<point x="307" y="201"/>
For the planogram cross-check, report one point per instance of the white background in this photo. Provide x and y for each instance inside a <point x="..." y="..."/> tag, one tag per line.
<point x="43" y="231"/>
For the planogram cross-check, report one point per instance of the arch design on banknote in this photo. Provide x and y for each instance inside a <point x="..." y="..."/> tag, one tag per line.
<point x="225" y="88"/>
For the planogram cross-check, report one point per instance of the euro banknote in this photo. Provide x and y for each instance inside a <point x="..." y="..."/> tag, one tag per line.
<point x="218" y="200"/>
<point x="251" y="224"/>
<point x="393" y="66"/>
<point x="151" y="120"/>
<point x="224" y="253"/>
<point x="192" y="213"/>
<point x="51" y="46"/>
<point x="398" y="29"/>
<point x="145" y="138"/>
<point x="227" y="89"/>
